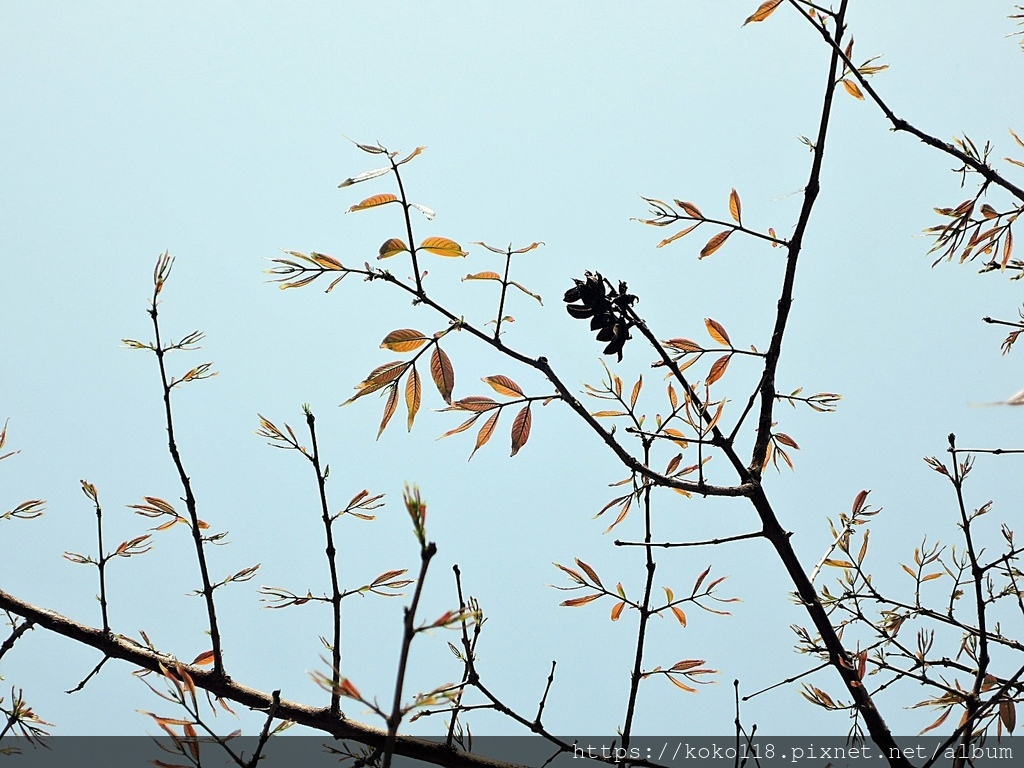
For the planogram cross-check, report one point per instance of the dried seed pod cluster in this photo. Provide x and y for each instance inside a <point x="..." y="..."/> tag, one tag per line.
<point x="605" y="306"/>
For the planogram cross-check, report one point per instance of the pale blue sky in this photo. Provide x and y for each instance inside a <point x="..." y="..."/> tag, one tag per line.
<point x="216" y="132"/>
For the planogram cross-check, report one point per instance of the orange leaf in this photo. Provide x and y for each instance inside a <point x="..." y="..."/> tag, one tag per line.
<point x="442" y="372"/>
<point x="734" y="205"/>
<point x="852" y="89"/>
<point x="636" y="392"/>
<point x="404" y="340"/>
<point x="204" y="658"/>
<point x="763" y="11"/>
<point x="379" y="378"/>
<point x="346" y="688"/>
<point x="373" y="202"/>
<point x="677" y="235"/>
<point x="680" y="616"/>
<point x="521" y="429"/>
<point x="681" y="684"/>
<point x="715" y="243"/>
<point x="462" y="427"/>
<point x="718" y="369"/>
<point x="413" y="395"/>
<point x="503" y="385"/>
<point x="717" y="332"/>
<point x="442" y="246"/>
<point x="617" y="611"/>
<point x="486" y="431"/>
<point x="483" y="276"/>
<point x="1007" y="248"/>
<point x="389" y="409"/>
<point x="391" y="247"/>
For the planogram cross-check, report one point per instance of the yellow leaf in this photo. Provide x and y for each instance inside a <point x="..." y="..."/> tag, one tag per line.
<point x="442" y="246"/>
<point x="391" y="247"/>
<point x="503" y="385"/>
<point x="717" y="332"/>
<point x="413" y="394"/>
<point x="852" y="89"/>
<point x="763" y="11"/>
<point x="373" y="202"/>
<point x="734" y="205"/>
<point x="715" y="243"/>
<point x="404" y="340"/>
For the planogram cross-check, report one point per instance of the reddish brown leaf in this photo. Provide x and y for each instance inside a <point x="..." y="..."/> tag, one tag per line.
<point x="1008" y="714"/>
<point x="718" y="369"/>
<point x="690" y="209"/>
<point x="521" y="429"/>
<point x="389" y="409"/>
<point x="684" y="344"/>
<point x="485" y="432"/>
<point x="590" y="572"/>
<point x="715" y="243"/>
<point x="204" y="658"/>
<point x="785" y="439"/>
<point x="474" y="403"/>
<point x="578" y="601"/>
<point x="379" y="378"/>
<point x="442" y="372"/>
<point x="858" y="502"/>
